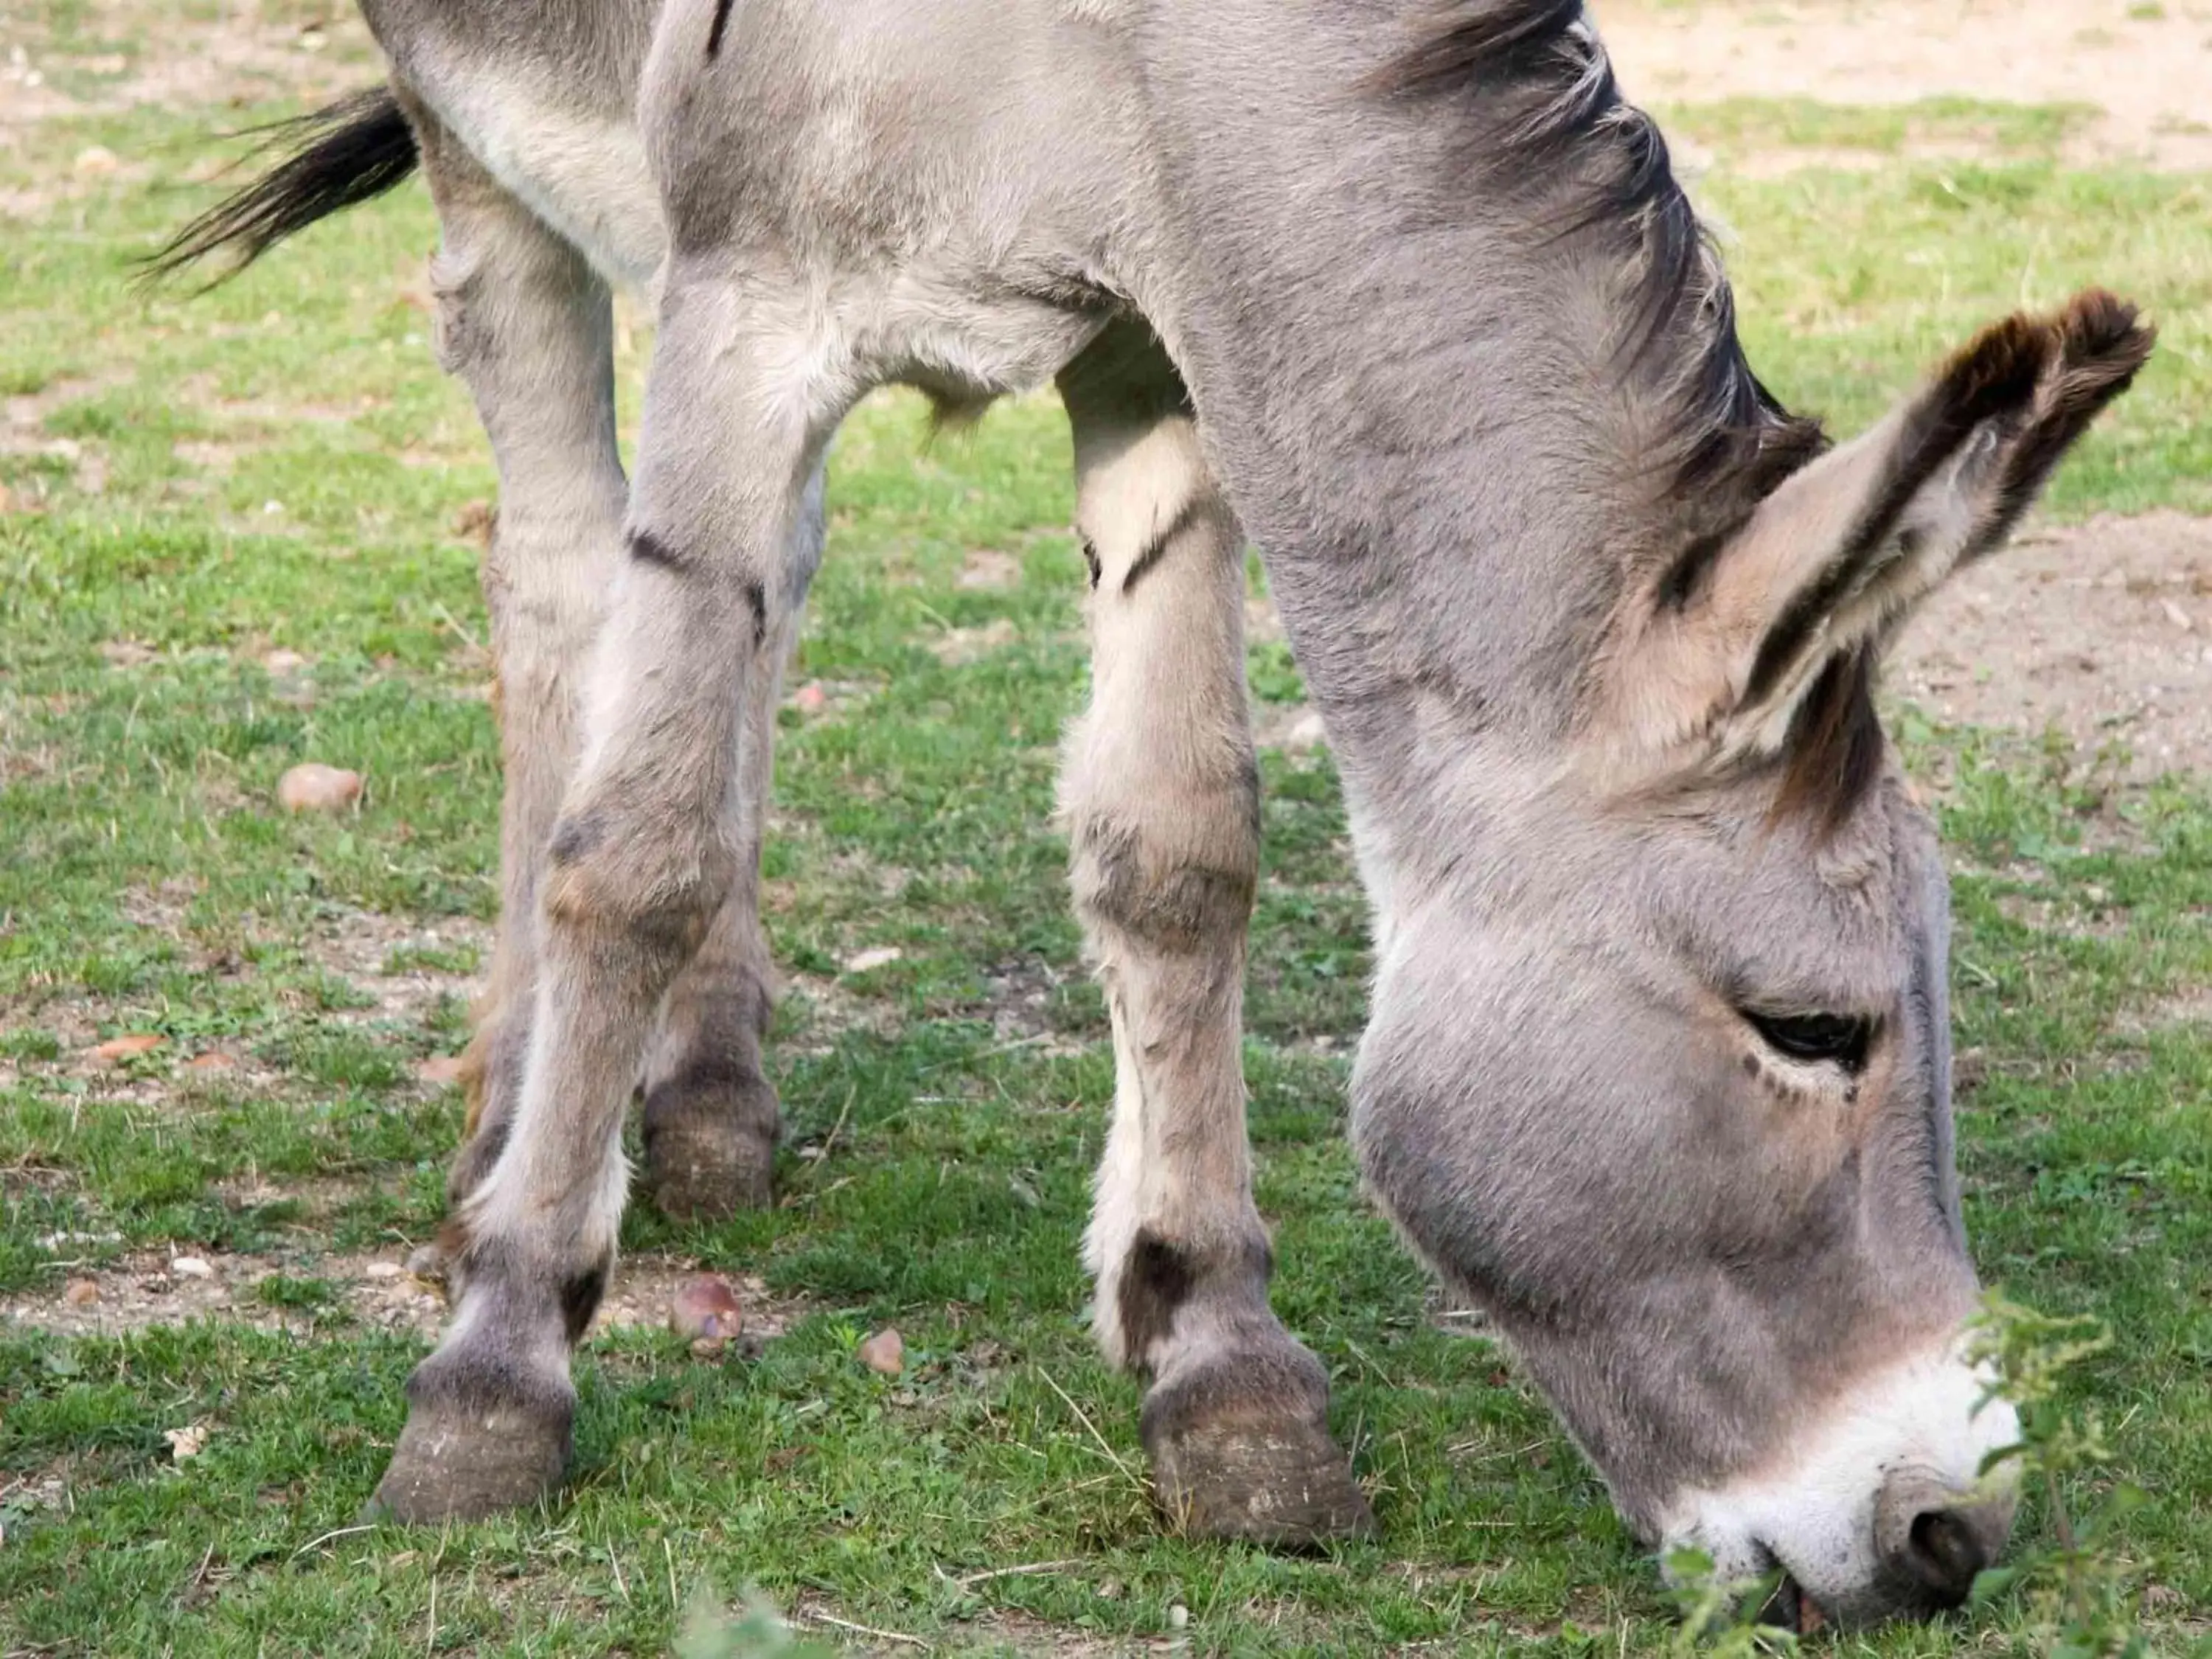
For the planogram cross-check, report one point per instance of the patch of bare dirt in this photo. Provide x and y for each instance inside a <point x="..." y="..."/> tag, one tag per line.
<point x="957" y="647"/>
<point x="149" y="1288"/>
<point x="988" y="568"/>
<point x="386" y="957"/>
<point x="2101" y="632"/>
<point x="2144" y="67"/>
<point x="23" y="433"/>
<point x="236" y="52"/>
<point x="1294" y="727"/>
<point x="2189" y="1010"/>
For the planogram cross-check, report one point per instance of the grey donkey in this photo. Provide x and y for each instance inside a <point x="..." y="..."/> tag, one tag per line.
<point x="1658" y="1070"/>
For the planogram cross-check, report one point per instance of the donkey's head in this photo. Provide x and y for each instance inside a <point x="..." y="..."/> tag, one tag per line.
<point x="1661" y="1074"/>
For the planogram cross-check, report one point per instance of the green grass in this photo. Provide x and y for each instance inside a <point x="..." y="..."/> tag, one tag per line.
<point x="1736" y="127"/>
<point x="150" y="885"/>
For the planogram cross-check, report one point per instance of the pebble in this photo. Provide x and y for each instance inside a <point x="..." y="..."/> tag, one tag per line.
<point x="884" y="1352"/>
<point x="810" y="698"/>
<point x="314" y="788"/>
<point x="192" y="1267"/>
<point x="382" y="1270"/>
<point x="867" y="961"/>
<point x="81" y="1292"/>
<point x="1307" y="732"/>
<point x="214" y="1061"/>
<point x="707" y="1309"/>
<point x="96" y="162"/>
<point x="280" y="662"/>
<point x="123" y="1047"/>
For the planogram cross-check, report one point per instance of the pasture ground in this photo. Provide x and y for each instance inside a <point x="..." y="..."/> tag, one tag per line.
<point x="241" y="532"/>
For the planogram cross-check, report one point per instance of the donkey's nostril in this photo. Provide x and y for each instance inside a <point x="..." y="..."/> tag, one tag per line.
<point x="1933" y="1539"/>
<point x="1945" y="1551"/>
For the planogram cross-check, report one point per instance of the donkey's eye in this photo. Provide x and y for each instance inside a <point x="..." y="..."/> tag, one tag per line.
<point x="1841" y="1039"/>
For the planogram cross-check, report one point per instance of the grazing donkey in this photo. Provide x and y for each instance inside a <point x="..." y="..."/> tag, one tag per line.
<point x="1658" y="1071"/>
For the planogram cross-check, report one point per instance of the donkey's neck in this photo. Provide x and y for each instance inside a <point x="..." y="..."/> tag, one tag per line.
<point x="1410" y="364"/>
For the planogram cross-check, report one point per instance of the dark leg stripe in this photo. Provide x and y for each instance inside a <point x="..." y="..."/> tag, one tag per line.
<point x="648" y="549"/>
<point x="715" y="32"/>
<point x="1157" y="548"/>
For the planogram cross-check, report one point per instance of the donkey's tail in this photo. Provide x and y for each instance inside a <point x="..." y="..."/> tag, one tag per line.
<point x="342" y="155"/>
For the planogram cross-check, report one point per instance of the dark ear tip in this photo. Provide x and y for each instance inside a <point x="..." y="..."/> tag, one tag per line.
<point x="1994" y="370"/>
<point x="2105" y="334"/>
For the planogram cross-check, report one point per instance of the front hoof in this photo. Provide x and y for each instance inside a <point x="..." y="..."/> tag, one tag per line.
<point x="461" y="1461"/>
<point x="704" y="1160"/>
<point x="1233" y="1458"/>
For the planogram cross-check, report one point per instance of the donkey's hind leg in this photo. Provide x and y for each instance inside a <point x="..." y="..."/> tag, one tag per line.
<point x="525" y="323"/>
<point x="1161" y="794"/>
<point x="654" y="830"/>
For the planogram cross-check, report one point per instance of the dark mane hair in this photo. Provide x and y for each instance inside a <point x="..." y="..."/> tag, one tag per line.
<point x="1547" y="125"/>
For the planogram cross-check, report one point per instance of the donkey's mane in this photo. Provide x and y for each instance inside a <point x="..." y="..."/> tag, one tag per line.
<point x="1548" y="128"/>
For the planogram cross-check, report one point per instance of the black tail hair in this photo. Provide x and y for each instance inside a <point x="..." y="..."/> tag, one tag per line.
<point x="342" y="155"/>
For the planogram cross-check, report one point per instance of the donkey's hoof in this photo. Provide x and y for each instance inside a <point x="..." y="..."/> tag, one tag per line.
<point x="704" y="1161"/>
<point x="1233" y="1458"/>
<point x="457" y="1463"/>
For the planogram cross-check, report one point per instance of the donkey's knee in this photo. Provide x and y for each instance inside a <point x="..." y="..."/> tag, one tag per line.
<point x="1172" y="872"/>
<point x="634" y="883"/>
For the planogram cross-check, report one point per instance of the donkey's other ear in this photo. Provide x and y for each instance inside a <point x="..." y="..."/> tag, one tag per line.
<point x="1730" y="640"/>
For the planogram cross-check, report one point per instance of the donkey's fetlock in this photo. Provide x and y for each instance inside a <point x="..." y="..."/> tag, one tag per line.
<point x="483" y="1435"/>
<point x="1240" y="1449"/>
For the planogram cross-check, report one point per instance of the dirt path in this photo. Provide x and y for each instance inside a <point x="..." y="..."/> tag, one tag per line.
<point x="2146" y="65"/>
<point x="2101" y="631"/>
<point x="99" y="57"/>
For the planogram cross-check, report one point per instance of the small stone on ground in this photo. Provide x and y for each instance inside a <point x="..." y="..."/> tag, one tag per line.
<point x="315" y="788"/>
<point x="884" y="1352"/>
<point x="707" y="1309"/>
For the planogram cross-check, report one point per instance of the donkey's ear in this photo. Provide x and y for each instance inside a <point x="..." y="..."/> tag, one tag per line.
<point x="1732" y="639"/>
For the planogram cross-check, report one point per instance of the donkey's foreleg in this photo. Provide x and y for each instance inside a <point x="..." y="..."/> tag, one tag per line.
<point x="654" y="833"/>
<point x="526" y="324"/>
<point x="1161" y="796"/>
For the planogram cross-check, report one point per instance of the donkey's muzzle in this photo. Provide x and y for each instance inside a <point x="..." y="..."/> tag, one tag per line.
<point x="1934" y="1542"/>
